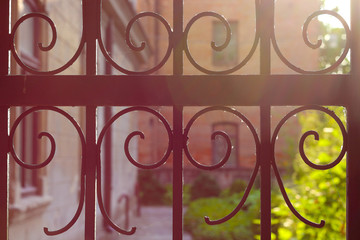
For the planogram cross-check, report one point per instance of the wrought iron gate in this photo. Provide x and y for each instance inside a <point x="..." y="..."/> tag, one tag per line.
<point x="179" y="90"/>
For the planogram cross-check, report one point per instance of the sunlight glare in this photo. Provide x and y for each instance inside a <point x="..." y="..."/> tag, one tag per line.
<point x="344" y="11"/>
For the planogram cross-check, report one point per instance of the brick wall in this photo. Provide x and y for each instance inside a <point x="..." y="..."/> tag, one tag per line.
<point x="290" y="16"/>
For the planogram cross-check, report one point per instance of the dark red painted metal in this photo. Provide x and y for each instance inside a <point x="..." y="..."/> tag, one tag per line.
<point x="266" y="27"/>
<point x="91" y="21"/>
<point x="178" y="18"/>
<point x="4" y="174"/>
<point x="232" y="90"/>
<point x="4" y="160"/>
<point x="108" y="176"/>
<point x="264" y="90"/>
<point x="90" y="173"/>
<point x="353" y="121"/>
<point x="178" y="173"/>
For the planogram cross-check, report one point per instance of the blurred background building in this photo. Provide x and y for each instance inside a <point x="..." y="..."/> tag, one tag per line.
<point x="289" y="19"/>
<point x="49" y="197"/>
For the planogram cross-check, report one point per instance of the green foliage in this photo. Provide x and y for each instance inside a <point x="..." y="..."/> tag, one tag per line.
<point x="240" y="227"/>
<point x="151" y="191"/>
<point x="244" y="225"/>
<point x="237" y="186"/>
<point x="333" y="43"/>
<point x="204" y="186"/>
<point x="168" y="197"/>
<point x="317" y="194"/>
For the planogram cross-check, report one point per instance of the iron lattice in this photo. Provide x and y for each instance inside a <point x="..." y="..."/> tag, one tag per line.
<point x="45" y="90"/>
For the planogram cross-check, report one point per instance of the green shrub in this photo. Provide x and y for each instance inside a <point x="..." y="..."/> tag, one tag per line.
<point x="204" y="186"/>
<point x="240" y="227"/>
<point x="151" y="191"/>
<point x="237" y="186"/>
<point x="168" y="197"/>
<point x="317" y="194"/>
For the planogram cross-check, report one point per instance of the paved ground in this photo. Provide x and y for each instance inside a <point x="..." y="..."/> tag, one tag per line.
<point x="155" y="223"/>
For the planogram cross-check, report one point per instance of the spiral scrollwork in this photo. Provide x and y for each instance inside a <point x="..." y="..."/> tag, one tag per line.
<point x="226" y="157"/>
<point x="50" y="157"/>
<point x="40" y="45"/>
<point x="142" y="136"/>
<point x="244" y="197"/>
<point x="304" y="157"/>
<point x="142" y="44"/>
<point x="130" y="158"/>
<point x="215" y="46"/>
<point x="317" y="44"/>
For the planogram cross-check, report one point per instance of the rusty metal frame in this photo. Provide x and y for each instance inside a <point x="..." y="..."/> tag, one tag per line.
<point x="141" y="89"/>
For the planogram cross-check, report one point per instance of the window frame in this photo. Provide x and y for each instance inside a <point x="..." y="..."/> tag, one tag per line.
<point x="30" y="184"/>
<point x="232" y="47"/>
<point x="235" y="151"/>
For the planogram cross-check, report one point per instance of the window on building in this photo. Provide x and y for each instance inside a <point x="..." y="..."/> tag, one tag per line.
<point x="29" y="152"/>
<point x="106" y="69"/>
<point x="219" y="146"/>
<point x="229" y="55"/>
<point x="30" y="36"/>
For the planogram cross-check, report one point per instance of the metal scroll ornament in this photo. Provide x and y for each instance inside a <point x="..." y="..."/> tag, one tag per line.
<point x="141" y="135"/>
<point x="317" y="44"/>
<point x="41" y="46"/>
<point x="215" y="46"/>
<point x="130" y="158"/>
<point x="50" y="158"/>
<point x="227" y="155"/>
<point x="304" y="157"/>
<point x="184" y="42"/>
<point x="142" y="45"/>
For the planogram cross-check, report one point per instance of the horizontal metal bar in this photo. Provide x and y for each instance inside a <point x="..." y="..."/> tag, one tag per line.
<point x="231" y="90"/>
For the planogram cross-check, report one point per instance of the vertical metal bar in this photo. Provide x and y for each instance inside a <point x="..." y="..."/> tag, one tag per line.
<point x="35" y="147"/>
<point x="4" y="161"/>
<point x="265" y="157"/>
<point x="266" y="26"/>
<point x="90" y="30"/>
<point x="23" y="148"/>
<point x="90" y="200"/>
<point x="4" y="174"/>
<point x="107" y="165"/>
<point x="178" y="11"/>
<point x="178" y="173"/>
<point x="108" y="137"/>
<point x="353" y="121"/>
<point x="4" y="34"/>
